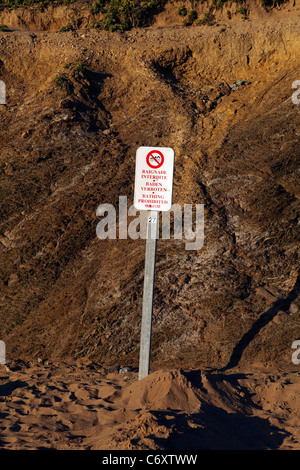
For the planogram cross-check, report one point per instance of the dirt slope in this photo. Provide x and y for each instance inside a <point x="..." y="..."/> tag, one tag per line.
<point x="78" y="105"/>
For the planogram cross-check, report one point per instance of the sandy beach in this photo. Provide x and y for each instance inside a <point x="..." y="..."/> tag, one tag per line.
<point x="80" y="406"/>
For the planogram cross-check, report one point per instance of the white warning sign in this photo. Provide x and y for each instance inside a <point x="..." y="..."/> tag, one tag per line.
<point x="154" y="178"/>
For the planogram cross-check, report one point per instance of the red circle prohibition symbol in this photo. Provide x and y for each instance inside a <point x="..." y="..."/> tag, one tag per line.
<point x="155" y="159"/>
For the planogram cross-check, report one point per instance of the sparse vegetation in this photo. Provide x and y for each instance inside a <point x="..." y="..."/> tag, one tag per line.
<point x="98" y="7"/>
<point x="121" y="15"/>
<point x="64" y="29"/>
<point x="209" y="16"/>
<point x="218" y="3"/>
<point x="189" y="17"/>
<point x="242" y="11"/>
<point x="60" y="80"/>
<point x="138" y="5"/>
<point x="192" y="15"/>
<point x="80" y="67"/>
<point x="3" y="27"/>
<point x="182" y="11"/>
<point x="207" y="19"/>
<point x="272" y="3"/>
<point x="42" y="4"/>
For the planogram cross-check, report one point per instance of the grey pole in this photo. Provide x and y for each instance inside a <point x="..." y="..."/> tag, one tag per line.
<point x="152" y="232"/>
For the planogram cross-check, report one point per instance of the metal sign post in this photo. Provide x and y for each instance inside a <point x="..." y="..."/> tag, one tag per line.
<point x="152" y="231"/>
<point x="153" y="192"/>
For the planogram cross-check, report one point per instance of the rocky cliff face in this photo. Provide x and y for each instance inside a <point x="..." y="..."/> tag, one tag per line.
<point x="79" y="104"/>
